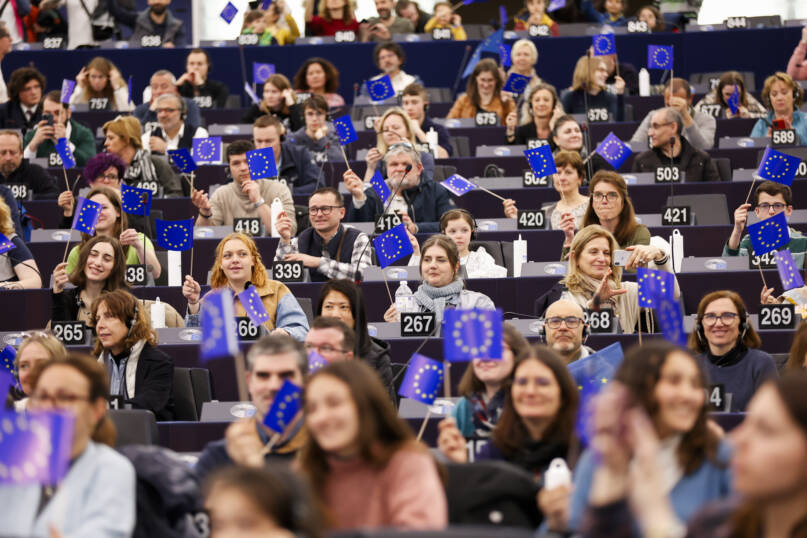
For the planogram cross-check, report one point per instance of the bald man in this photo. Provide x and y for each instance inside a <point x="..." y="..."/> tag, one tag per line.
<point x="564" y="330"/>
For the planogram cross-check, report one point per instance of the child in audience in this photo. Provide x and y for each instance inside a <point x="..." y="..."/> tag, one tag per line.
<point x="444" y="17"/>
<point x="362" y="460"/>
<point x="536" y="16"/>
<point x="610" y="12"/>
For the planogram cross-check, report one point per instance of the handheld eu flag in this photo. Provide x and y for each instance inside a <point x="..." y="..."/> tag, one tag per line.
<point x="491" y="44"/>
<point x="380" y="89"/>
<point x="603" y="44"/>
<point x="472" y="334"/>
<point x="671" y="320"/>
<point x="284" y="408"/>
<point x="261" y="72"/>
<point x="345" y="130"/>
<point x="251" y="93"/>
<point x="380" y="187"/>
<point x="207" y="150"/>
<point x="7" y="359"/>
<point x="769" y="234"/>
<point x="422" y="379"/>
<point x="734" y="100"/>
<point x="505" y="54"/>
<point x="6" y="244"/>
<point x="134" y="200"/>
<point x="392" y="245"/>
<point x="67" y="91"/>
<point x="458" y="185"/>
<point x="35" y="447"/>
<point x="516" y="83"/>
<point x="65" y="153"/>
<point x="788" y="273"/>
<point x="217" y="318"/>
<point x="613" y="150"/>
<point x="182" y="159"/>
<point x="777" y="166"/>
<point x="315" y="362"/>
<point x="86" y="217"/>
<point x="659" y="57"/>
<point x="654" y="284"/>
<point x="591" y="374"/>
<point x="174" y="234"/>
<point x="262" y="163"/>
<point x="229" y="12"/>
<point x="6" y="382"/>
<point x="541" y="160"/>
<point x="252" y="303"/>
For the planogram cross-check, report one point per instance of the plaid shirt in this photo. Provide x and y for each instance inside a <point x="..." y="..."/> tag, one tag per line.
<point x="359" y="259"/>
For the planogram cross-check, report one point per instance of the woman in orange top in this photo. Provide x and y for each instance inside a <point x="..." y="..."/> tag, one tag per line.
<point x="484" y="94"/>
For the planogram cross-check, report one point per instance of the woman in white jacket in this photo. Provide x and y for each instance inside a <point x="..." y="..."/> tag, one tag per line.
<point x="101" y="86"/>
<point x="441" y="288"/>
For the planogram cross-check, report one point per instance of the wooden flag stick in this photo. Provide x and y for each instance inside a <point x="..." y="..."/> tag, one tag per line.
<point x="490" y="192"/>
<point x="640" y="325"/>
<point x="190" y="272"/>
<point x="271" y="444"/>
<point x="389" y="293"/>
<point x="616" y="63"/>
<point x="67" y="245"/>
<point x="753" y="180"/>
<point x="425" y="421"/>
<point x="447" y="379"/>
<point x="66" y="183"/>
<point x="762" y="275"/>
<point x="344" y="154"/>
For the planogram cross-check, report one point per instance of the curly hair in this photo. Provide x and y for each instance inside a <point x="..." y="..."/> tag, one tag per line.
<point x="259" y="277"/>
<point x="331" y="75"/>
<point x="22" y="76"/>
<point x="124" y="306"/>
<point x="97" y="165"/>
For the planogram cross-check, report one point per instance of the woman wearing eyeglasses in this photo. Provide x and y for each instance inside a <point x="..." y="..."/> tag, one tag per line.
<point x="611" y="207"/>
<point x="343" y="299"/>
<point x="97" y="495"/>
<point x="238" y="265"/>
<point x="38" y="347"/>
<point x="594" y="282"/>
<point x="395" y="127"/>
<point x="728" y="346"/>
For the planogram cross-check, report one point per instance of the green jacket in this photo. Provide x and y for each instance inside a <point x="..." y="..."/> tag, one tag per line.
<point x="797" y="246"/>
<point x="81" y="137"/>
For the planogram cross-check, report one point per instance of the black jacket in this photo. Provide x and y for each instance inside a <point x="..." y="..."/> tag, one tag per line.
<point x="427" y="202"/>
<point x="154" y="383"/>
<point x="37" y="178"/>
<point x="378" y="356"/>
<point x="696" y="164"/>
<point x="12" y="117"/>
<point x="298" y="168"/>
<point x="294" y="120"/>
<point x="216" y="91"/>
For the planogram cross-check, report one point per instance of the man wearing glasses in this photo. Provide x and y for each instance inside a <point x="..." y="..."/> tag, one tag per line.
<point x="243" y="197"/>
<point x="327" y="248"/>
<point x="670" y="148"/>
<point x="564" y="330"/>
<point x="770" y="199"/>
<point x="172" y="131"/>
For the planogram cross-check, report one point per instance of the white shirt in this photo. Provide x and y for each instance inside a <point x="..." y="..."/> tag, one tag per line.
<point x="173" y="143"/>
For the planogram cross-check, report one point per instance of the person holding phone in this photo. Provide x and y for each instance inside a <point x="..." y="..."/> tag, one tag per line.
<point x="594" y="281"/>
<point x="782" y="96"/>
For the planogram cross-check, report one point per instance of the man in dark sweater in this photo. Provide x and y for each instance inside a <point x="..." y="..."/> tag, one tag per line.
<point x="270" y="362"/>
<point x="420" y="202"/>
<point x="672" y="149"/>
<point x="14" y="170"/>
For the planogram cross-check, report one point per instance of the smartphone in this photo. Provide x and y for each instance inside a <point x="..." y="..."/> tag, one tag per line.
<point x="48" y="119"/>
<point x="779" y="124"/>
<point x="621" y="257"/>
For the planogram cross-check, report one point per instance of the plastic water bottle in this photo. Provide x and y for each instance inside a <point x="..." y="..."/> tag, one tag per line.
<point x="431" y="138"/>
<point x="644" y="82"/>
<point x="157" y="314"/>
<point x="275" y="210"/>
<point x="404" y="298"/>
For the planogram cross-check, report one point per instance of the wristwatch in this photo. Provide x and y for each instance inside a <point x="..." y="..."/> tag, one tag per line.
<point x="259" y="203"/>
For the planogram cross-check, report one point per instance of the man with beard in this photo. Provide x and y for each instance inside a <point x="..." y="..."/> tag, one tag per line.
<point x="387" y="23"/>
<point x="270" y="362"/>
<point x="564" y="330"/>
<point x="152" y="27"/>
<point x="15" y="170"/>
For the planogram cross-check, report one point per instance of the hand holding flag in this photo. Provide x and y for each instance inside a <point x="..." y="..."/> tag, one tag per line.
<point x="182" y="159"/>
<point x="285" y="406"/>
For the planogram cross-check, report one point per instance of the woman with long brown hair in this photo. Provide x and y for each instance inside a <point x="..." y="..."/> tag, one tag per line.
<point x="669" y="385"/>
<point x="362" y="460"/>
<point x="278" y="99"/>
<point x="768" y="464"/>
<point x="318" y="75"/>
<point x="483" y="94"/>
<point x="238" y="264"/>
<point x="97" y="495"/>
<point x="101" y="86"/>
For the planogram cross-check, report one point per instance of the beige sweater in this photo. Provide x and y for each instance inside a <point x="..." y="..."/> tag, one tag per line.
<point x="229" y="202"/>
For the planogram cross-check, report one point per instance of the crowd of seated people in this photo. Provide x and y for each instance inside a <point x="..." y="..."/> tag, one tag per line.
<point x="686" y="434"/>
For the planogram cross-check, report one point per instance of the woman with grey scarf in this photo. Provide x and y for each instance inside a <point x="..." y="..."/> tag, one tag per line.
<point x="442" y="288"/>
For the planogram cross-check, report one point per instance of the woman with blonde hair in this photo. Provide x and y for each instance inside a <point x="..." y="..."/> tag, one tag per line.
<point x="588" y="90"/>
<point x="594" y="282"/>
<point x="101" y="86"/>
<point x="395" y="127"/>
<point x="238" y="265"/>
<point x="37" y="348"/>
<point x="18" y="269"/>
